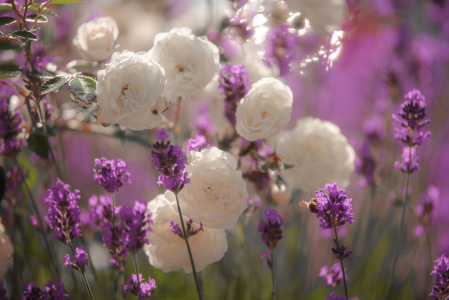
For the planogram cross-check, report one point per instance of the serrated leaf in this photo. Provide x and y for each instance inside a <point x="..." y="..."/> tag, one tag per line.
<point x="10" y="74"/>
<point x="82" y="64"/>
<point x="66" y="2"/>
<point x="7" y="20"/>
<point x="41" y="19"/>
<point x="5" y="6"/>
<point x="38" y="143"/>
<point x="54" y="84"/>
<point x="44" y="75"/>
<point x="24" y="35"/>
<point x="83" y="89"/>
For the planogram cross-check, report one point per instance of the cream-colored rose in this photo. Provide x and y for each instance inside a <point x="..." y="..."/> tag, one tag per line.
<point x="319" y="152"/>
<point x="129" y="91"/>
<point x="216" y="194"/>
<point x="6" y="251"/>
<point x="168" y="251"/>
<point x="95" y="40"/>
<point x="190" y="62"/>
<point x="265" y="110"/>
<point x="325" y="16"/>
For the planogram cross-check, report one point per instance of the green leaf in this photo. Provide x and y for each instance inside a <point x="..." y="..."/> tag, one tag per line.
<point x="83" y="88"/>
<point x="38" y="143"/>
<point x="7" y="20"/>
<point x="82" y="64"/>
<point x="54" y="84"/>
<point x="5" y="6"/>
<point x="66" y="2"/>
<point x="10" y="74"/>
<point x="45" y="11"/>
<point x="41" y="19"/>
<point x="24" y="35"/>
<point x="9" y="45"/>
<point x="44" y="75"/>
<point x="9" y="67"/>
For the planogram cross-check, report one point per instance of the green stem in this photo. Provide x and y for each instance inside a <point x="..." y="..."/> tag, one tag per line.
<point x="136" y="267"/>
<point x="188" y="249"/>
<point x="399" y="237"/>
<point x="273" y="277"/>
<point x="341" y="262"/>
<point x="83" y="272"/>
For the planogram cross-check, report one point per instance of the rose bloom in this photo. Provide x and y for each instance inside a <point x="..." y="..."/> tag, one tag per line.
<point x="190" y="62"/>
<point x="168" y="251"/>
<point x="265" y="110"/>
<point x="6" y="251"/>
<point x="325" y="16"/>
<point x="319" y="152"/>
<point x="216" y="194"/>
<point x="129" y="90"/>
<point x="95" y="40"/>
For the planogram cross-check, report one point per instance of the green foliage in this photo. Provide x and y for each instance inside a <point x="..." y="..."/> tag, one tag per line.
<point x="23" y="34"/>
<point x="54" y="84"/>
<point x="7" y="20"/>
<point x="41" y="19"/>
<point x="8" y="70"/>
<point x="43" y="75"/>
<point x="38" y="143"/>
<point x="45" y="11"/>
<point x="5" y="6"/>
<point x="82" y="64"/>
<point x="83" y="88"/>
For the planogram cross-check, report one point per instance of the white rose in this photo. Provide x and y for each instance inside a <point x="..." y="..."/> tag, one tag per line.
<point x="190" y="62"/>
<point x="129" y="90"/>
<point x="216" y="194"/>
<point x="325" y="16"/>
<point x="265" y="110"/>
<point x="319" y="152"/>
<point x="95" y="40"/>
<point x="168" y="251"/>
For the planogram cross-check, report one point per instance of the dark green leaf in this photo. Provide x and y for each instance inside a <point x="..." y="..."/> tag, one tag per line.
<point x="9" y="45"/>
<point x="10" y="74"/>
<point x="82" y="64"/>
<point x="9" y="67"/>
<point x="44" y="75"/>
<point x="5" y="6"/>
<point x="85" y="75"/>
<point x="41" y="19"/>
<point x="66" y="2"/>
<point x="45" y="11"/>
<point x="24" y="35"/>
<point x="54" y="84"/>
<point x="7" y="20"/>
<point x="38" y="143"/>
<point x="83" y="89"/>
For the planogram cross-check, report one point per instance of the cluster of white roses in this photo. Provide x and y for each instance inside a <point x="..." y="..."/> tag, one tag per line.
<point x="135" y="88"/>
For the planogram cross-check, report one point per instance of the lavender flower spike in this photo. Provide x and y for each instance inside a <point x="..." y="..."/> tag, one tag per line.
<point x="137" y="222"/>
<point x="333" y="209"/>
<point x="112" y="175"/>
<point x="81" y="260"/>
<point x="281" y="48"/>
<point x="335" y="297"/>
<point x="271" y="230"/>
<point x="234" y="82"/>
<point x="441" y="270"/>
<point x="139" y="286"/>
<point x="333" y="276"/>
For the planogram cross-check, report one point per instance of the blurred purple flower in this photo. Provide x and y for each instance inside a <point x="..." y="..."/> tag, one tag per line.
<point x="202" y="122"/>
<point x="81" y="260"/>
<point x="425" y="209"/>
<point x="9" y="127"/>
<point x="137" y="222"/>
<point x="374" y="128"/>
<point x="197" y="144"/>
<point x="3" y="292"/>
<point x="33" y="292"/>
<point x="280" y="48"/>
<point x="441" y="270"/>
<point x="14" y="179"/>
<point x="333" y="209"/>
<point x="409" y="161"/>
<point x="333" y="276"/>
<point x="55" y="292"/>
<point x="335" y="297"/>
<point x="365" y="164"/>
<point x="139" y="286"/>
<point x="111" y="176"/>
<point x="34" y="222"/>
<point x="271" y="230"/>
<point x="234" y="82"/>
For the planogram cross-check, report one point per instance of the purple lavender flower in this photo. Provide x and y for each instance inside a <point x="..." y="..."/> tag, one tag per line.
<point x="234" y="82"/>
<point x="441" y="270"/>
<point x="190" y="229"/>
<point x="335" y="297"/>
<point x="63" y="214"/>
<point x="409" y="161"/>
<point x="374" y="128"/>
<point x="280" y="49"/>
<point x="81" y="260"/>
<point x="333" y="209"/>
<point x="14" y="179"/>
<point x="340" y="251"/>
<point x="139" y="286"/>
<point x="170" y="161"/>
<point x="197" y="144"/>
<point x="271" y="230"/>
<point x="34" y="222"/>
<point x="12" y="146"/>
<point x="32" y="292"/>
<point x="409" y="121"/>
<point x="333" y="276"/>
<point x="111" y="175"/>
<point x="55" y="292"/>
<point x="365" y="164"/>
<point x="9" y="122"/>
<point x="253" y="204"/>
<point x="425" y="209"/>
<point x="202" y="122"/>
<point x="136" y="223"/>
<point x="3" y="292"/>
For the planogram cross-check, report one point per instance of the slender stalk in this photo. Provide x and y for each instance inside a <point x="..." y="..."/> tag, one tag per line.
<point x="39" y="218"/>
<point x="136" y="267"/>
<point x="83" y="272"/>
<point x="188" y="249"/>
<point x="399" y="238"/>
<point x="273" y="277"/>
<point x="341" y="262"/>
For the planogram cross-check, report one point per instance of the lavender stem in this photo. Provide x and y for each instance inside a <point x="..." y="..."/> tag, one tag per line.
<point x="83" y="272"/>
<point x="136" y="267"/>
<point x="273" y="276"/>
<point x="188" y="248"/>
<point x="341" y="262"/>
